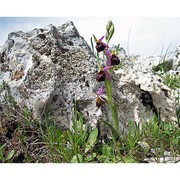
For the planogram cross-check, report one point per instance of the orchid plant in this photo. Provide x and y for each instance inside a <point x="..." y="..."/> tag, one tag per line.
<point x="104" y="95"/>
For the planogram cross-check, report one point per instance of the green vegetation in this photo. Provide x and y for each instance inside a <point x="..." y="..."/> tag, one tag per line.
<point x="23" y="139"/>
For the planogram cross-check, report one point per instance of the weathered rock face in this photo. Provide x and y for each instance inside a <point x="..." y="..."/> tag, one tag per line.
<point x="144" y="94"/>
<point x="49" y="69"/>
<point x="46" y="69"/>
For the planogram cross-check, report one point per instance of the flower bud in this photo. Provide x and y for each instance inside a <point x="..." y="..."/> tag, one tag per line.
<point x="109" y="31"/>
<point x="108" y="26"/>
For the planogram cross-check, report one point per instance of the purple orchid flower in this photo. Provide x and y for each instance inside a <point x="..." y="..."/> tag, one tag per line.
<point x="101" y="97"/>
<point x="112" y="59"/>
<point x="100" y="40"/>
<point x="100" y="91"/>
<point x="101" y="46"/>
<point x="103" y="74"/>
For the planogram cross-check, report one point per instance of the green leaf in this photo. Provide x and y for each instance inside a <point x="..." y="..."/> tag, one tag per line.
<point x="77" y="158"/>
<point x="115" y="120"/>
<point x="70" y="136"/>
<point x="92" y="46"/>
<point x="90" y="157"/>
<point x="10" y="155"/>
<point x="114" y="132"/>
<point x="87" y="148"/>
<point x="129" y="160"/>
<point x="2" y="147"/>
<point x="93" y="137"/>
<point x="107" y="151"/>
<point x="84" y="134"/>
<point x="117" y="49"/>
<point x="94" y="155"/>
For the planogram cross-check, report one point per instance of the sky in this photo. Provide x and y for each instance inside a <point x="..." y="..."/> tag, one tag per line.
<point x="137" y="35"/>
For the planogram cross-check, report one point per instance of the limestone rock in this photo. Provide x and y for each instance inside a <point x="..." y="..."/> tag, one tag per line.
<point x="46" y="69"/>
<point x="142" y="62"/>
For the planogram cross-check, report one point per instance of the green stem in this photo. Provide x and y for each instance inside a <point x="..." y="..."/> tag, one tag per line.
<point x="98" y="63"/>
<point x="112" y="106"/>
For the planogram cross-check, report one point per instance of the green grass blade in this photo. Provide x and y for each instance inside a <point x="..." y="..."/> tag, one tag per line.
<point x="70" y="136"/>
<point x="114" y="132"/>
<point x="92" y="46"/>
